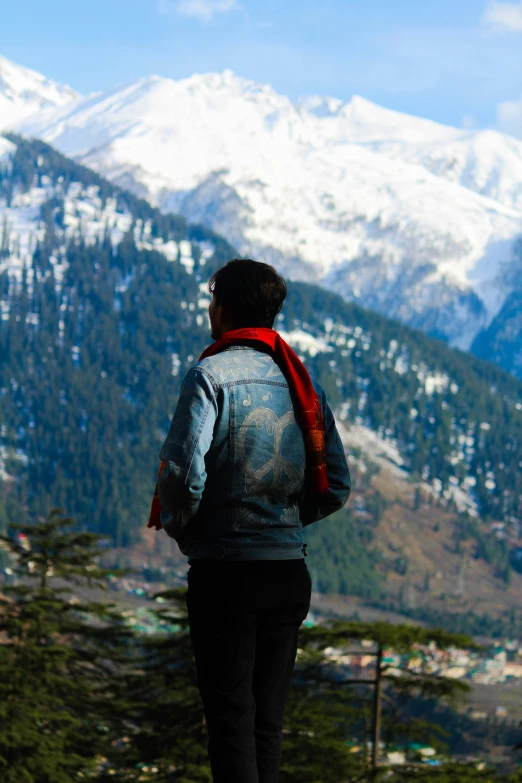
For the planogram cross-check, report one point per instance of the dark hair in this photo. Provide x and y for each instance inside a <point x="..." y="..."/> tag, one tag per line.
<point x="251" y="291"/>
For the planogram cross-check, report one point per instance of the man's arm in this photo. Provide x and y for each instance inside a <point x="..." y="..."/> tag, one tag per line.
<point x="181" y="485"/>
<point x="337" y="471"/>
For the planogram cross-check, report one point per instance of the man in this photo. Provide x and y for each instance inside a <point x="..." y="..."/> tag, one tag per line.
<point x="252" y="456"/>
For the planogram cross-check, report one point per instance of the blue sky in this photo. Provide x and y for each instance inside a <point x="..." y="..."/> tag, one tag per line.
<point x="454" y="61"/>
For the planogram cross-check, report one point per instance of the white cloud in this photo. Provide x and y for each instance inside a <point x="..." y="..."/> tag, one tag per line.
<point x="204" y="10"/>
<point x="503" y="16"/>
<point x="509" y="117"/>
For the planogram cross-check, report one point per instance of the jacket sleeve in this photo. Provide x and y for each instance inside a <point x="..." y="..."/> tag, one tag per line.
<point x="181" y="485"/>
<point x="339" y="482"/>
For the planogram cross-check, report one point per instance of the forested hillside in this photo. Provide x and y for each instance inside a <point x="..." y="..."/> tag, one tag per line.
<point x="94" y="340"/>
<point x="103" y="309"/>
<point x="456" y="420"/>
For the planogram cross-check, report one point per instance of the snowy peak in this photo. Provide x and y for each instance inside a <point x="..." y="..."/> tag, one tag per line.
<point x="24" y="92"/>
<point x="171" y="131"/>
<point x="484" y="161"/>
<point x="155" y="101"/>
<point x="219" y="105"/>
<point x="407" y="216"/>
<point x="209" y="89"/>
<point x="229" y="82"/>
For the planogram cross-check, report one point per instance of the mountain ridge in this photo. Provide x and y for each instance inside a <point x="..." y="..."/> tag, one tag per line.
<point x="401" y="214"/>
<point x="24" y="92"/>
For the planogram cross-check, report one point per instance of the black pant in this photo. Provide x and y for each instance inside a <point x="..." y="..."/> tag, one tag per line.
<point x="244" y="621"/>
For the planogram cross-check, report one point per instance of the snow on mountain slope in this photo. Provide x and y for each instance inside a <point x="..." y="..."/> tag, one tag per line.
<point x="406" y="216"/>
<point x="485" y="161"/>
<point x="24" y="92"/>
<point x="84" y="211"/>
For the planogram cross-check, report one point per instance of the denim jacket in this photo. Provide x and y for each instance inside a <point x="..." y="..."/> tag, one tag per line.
<point x="235" y="485"/>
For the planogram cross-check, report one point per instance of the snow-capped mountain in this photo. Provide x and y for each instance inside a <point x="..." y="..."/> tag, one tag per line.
<point x="406" y="216"/>
<point x="24" y="92"/>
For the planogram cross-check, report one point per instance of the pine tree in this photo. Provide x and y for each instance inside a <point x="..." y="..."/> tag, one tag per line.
<point x="399" y="687"/>
<point x="167" y="738"/>
<point x="60" y="703"/>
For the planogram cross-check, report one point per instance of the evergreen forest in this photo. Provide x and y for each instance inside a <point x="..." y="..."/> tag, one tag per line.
<point x="103" y="306"/>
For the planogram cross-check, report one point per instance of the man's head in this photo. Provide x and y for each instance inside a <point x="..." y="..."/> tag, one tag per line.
<point x="245" y="293"/>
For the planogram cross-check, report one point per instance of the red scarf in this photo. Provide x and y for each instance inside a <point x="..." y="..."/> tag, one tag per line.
<point x="306" y="403"/>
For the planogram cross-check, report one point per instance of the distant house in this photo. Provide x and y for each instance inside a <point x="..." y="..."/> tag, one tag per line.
<point x="500" y="655"/>
<point x="396" y="757"/>
<point x="513" y="670"/>
<point x="455" y="672"/>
